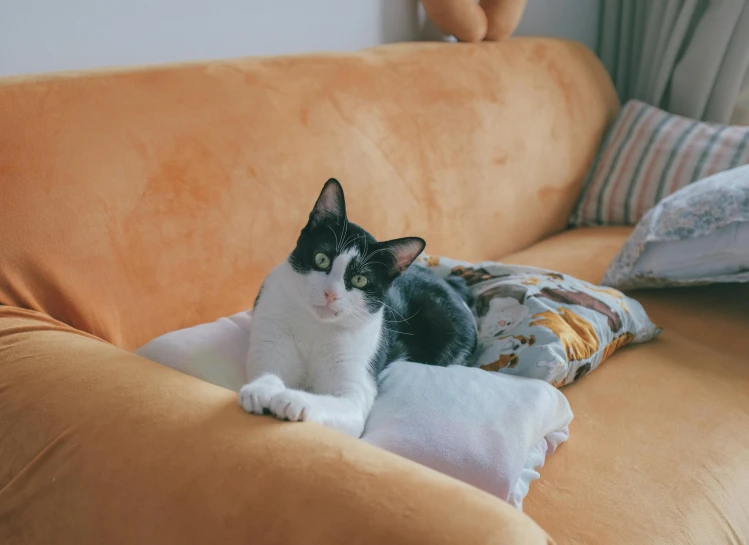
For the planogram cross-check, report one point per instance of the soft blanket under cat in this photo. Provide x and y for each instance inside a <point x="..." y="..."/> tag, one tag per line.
<point x="488" y="429"/>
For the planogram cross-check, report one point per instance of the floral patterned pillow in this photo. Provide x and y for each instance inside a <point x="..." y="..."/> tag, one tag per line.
<point x="699" y="235"/>
<point x="543" y="324"/>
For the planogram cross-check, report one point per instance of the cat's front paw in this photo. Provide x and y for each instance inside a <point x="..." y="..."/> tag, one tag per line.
<point x="256" y="396"/>
<point x="294" y="406"/>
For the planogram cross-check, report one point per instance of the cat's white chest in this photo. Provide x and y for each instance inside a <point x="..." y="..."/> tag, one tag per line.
<point x="312" y="340"/>
<point x="327" y="351"/>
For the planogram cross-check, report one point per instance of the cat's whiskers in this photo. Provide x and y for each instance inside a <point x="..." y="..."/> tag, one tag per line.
<point x="337" y="243"/>
<point x="398" y="332"/>
<point x="347" y="241"/>
<point x="369" y="256"/>
<point x="353" y="237"/>
<point x="403" y="320"/>
<point x="343" y="237"/>
<point x="359" y="314"/>
<point x="367" y="268"/>
<point x="395" y="331"/>
<point x="366" y="246"/>
<point x="398" y="313"/>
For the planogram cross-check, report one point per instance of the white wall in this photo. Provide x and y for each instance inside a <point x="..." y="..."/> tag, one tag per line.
<point x="572" y="19"/>
<point x="47" y="35"/>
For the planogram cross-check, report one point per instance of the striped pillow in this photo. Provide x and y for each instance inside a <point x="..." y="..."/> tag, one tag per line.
<point x="649" y="154"/>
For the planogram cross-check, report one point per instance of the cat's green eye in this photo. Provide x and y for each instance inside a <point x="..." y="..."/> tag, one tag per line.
<point x="322" y="261"/>
<point x="359" y="281"/>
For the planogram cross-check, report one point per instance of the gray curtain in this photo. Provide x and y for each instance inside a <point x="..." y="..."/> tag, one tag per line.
<point x="689" y="57"/>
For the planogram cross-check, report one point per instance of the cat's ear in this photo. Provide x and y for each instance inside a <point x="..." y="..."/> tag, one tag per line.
<point x="330" y="204"/>
<point x="404" y="251"/>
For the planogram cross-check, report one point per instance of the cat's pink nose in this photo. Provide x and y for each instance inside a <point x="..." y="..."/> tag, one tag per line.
<point x="330" y="296"/>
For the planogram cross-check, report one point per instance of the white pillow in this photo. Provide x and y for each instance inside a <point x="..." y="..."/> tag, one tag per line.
<point x="725" y="251"/>
<point x="488" y="429"/>
<point x="699" y="235"/>
<point x="215" y="352"/>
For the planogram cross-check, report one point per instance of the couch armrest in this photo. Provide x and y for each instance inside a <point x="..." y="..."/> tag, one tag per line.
<point x="100" y="446"/>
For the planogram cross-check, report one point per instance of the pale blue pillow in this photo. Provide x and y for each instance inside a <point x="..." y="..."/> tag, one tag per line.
<point x="697" y="236"/>
<point x="542" y="324"/>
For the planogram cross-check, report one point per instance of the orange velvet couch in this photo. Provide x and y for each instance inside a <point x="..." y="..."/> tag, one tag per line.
<point x="137" y="202"/>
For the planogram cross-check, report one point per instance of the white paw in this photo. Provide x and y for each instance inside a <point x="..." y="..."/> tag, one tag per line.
<point x="256" y="396"/>
<point x="293" y="405"/>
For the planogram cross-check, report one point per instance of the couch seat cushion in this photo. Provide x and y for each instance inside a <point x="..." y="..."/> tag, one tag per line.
<point x="659" y="448"/>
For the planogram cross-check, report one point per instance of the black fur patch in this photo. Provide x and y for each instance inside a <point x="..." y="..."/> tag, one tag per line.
<point x="426" y="321"/>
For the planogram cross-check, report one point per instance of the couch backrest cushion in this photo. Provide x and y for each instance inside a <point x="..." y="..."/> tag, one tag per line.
<point x="141" y="201"/>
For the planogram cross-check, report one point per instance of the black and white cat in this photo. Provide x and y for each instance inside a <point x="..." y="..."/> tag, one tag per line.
<point x="340" y="309"/>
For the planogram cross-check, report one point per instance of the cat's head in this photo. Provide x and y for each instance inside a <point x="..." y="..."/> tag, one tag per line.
<point x="341" y="270"/>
